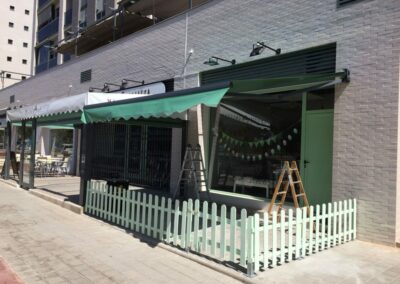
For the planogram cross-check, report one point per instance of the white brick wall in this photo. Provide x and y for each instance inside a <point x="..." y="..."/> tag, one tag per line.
<point x="366" y="111"/>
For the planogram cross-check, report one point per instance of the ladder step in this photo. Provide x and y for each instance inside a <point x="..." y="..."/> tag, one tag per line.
<point x="301" y="194"/>
<point x="297" y="181"/>
<point x="281" y="192"/>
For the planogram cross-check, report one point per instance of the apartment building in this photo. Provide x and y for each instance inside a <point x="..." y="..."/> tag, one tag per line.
<point x="69" y="28"/>
<point x="361" y="142"/>
<point x="17" y="26"/>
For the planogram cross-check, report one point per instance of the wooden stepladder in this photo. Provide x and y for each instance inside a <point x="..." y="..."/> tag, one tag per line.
<point x="289" y="177"/>
<point x="193" y="171"/>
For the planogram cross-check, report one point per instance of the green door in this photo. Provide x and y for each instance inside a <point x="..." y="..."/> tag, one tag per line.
<point x="317" y="143"/>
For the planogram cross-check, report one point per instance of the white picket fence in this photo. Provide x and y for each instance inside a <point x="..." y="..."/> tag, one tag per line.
<point x="253" y="242"/>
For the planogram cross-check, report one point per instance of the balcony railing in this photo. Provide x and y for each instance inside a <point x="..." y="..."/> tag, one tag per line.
<point x="46" y="65"/>
<point x="42" y="3"/>
<point x="48" y="30"/>
<point x="68" y="17"/>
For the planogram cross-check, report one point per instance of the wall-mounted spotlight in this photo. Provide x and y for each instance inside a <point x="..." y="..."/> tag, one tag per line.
<point x="124" y="82"/>
<point x="92" y="89"/>
<point x="106" y="87"/>
<point x="259" y="47"/>
<point x="213" y="60"/>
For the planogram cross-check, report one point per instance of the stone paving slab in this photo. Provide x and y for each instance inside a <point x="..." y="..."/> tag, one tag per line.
<point x="48" y="244"/>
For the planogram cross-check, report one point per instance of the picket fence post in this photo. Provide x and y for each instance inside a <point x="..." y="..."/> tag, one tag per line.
<point x="243" y="233"/>
<point x="265" y="240"/>
<point x="232" y="235"/>
<point x="250" y="247"/>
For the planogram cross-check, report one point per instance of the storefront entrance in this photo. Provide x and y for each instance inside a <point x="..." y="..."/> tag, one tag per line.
<point x="317" y="156"/>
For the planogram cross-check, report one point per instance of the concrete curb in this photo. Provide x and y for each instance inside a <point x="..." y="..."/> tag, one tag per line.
<point x="10" y="182"/>
<point x="64" y="204"/>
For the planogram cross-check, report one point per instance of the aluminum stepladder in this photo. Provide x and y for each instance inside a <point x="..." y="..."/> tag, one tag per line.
<point x="289" y="177"/>
<point x="190" y="172"/>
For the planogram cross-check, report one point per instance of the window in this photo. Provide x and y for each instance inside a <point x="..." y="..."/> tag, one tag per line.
<point x="100" y="9"/>
<point x="9" y="58"/>
<point x="255" y="137"/>
<point x="8" y="75"/>
<point x="12" y="8"/>
<point x="11" y="24"/>
<point x="10" y="41"/>
<point x="83" y="14"/>
<point x="23" y="77"/>
<point x="26" y="28"/>
<point x="26" y="12"/>
<point x="24" y="61"/>
<point x="25" y="44"/>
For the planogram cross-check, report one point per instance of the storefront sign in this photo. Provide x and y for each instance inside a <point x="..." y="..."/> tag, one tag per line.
<point x="150" y="89"/>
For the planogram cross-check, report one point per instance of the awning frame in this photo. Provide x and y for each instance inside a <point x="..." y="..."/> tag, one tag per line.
<point x="204" y="95"/>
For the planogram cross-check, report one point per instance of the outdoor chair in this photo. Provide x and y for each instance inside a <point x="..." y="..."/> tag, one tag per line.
<point x="14" y="164"/>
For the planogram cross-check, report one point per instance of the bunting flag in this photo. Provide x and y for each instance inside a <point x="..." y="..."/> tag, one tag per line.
<point x="257" y="149"/>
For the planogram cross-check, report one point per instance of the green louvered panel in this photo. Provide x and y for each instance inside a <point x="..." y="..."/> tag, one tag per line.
<point x="321" y="59"/>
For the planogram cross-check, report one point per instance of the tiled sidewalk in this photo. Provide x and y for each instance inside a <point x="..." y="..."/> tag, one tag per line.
<point x="44" y="243"/>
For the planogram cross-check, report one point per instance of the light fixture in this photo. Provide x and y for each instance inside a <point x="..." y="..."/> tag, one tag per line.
<point x="124" y="82"/>
<point x="259" y="47"/>
<point x="91" y="89"/>
<point x="213" y="60"/>
<point x="106" y="87"/>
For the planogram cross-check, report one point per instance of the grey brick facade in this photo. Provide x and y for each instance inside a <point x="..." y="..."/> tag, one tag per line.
<point x="367" y="33"/>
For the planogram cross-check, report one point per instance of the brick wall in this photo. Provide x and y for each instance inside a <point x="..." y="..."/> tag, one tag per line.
<point x="366" y="111"/>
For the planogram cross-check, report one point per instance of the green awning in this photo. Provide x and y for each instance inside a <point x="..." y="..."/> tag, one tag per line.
<point x="165" y="105"/>
<point x="161" y="107"/>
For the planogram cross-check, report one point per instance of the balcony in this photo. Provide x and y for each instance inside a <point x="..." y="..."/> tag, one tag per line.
<point x="46" y="65"/>
<point x="48" y="30"/>
<point x="68" y="17"/>
<point x="43" y="2"/>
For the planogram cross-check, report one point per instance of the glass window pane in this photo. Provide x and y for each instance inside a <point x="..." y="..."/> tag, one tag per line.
<point x="255" y="137"/>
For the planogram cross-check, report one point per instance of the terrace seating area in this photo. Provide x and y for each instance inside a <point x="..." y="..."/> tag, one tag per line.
<point x="47" y="166"/>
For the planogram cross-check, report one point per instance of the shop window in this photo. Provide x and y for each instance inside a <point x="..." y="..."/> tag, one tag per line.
<point x="255" y="137"/>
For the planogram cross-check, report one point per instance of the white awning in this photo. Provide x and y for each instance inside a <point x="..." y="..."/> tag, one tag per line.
<point x="65" y="105"/>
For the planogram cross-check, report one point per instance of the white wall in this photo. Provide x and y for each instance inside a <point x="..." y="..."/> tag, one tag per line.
<point x="19" y="36"/>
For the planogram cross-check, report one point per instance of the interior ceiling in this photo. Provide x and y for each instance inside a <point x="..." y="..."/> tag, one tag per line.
<point x="135" y="18"/>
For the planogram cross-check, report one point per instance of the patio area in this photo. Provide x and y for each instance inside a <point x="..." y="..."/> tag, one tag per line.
<point x="65" y="188"/>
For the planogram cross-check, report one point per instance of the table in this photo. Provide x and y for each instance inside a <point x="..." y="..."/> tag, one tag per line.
<point x="249" y="181"/>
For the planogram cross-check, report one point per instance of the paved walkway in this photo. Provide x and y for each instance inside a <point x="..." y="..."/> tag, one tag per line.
<point x="44" y="243"/>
